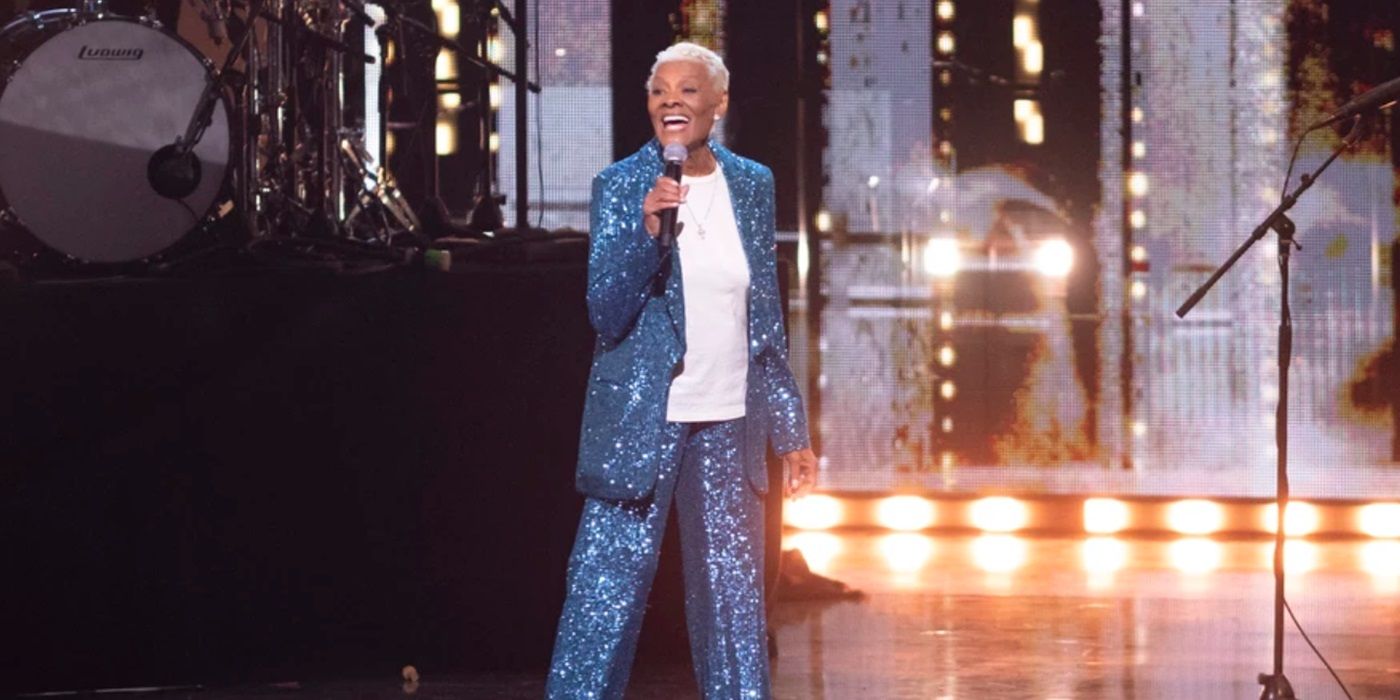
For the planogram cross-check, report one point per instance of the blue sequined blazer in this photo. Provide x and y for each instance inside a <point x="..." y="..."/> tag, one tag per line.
<point x="635" y="304"/>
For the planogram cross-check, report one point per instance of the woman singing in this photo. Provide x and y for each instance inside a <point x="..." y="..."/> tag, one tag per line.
<point x="690" y="382"/>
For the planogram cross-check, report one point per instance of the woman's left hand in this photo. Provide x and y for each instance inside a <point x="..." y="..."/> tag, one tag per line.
<point x="801" y="468"/>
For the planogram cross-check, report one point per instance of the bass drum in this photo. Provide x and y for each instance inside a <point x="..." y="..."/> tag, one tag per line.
<point x="83" y="106"/>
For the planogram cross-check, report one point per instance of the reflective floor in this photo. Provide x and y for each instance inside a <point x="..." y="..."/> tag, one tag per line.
<point x="1001" y="617"/>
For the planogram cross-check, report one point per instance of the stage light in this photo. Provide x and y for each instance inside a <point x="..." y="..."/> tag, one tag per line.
<point x="946" y="460"/>
<point x="561" y="52"/>
<point x="1137" y="184"/>
<point x="1138" y="289"/>
<point x="493" y="142"/>
<point x="999" y="514"/>
<point x="494" y="95"/>
<point x="906" y="552"/>
<point x="1137" y="115"/>
<point x="1139" y="9"/>
<point x="946" y="10"/>
<point x="444" y="68"/>
<point x="1381" y="558"/>
<point x="1138" y="219"/>
<point x="1380" y="520"/>
<point x="1195" y="555"/>
<point x="496" y="49"/>
<point x="1022" y="30"/>
<point x="449" y="20"/>
<point x="1103" y="516"/>
<point x="904" y="513"/>
<point x="1139" y="429"/>
<point x="820" y="21"/>
<point x="1103" y="555"/>
<point x="946" y="45"/>
<point x="1138" y="254"/>
<point x="1139" y="149"/>
<point x="817" y="548"/>
<point x="999" y="554"/>
<point x="449" y="101"/>
<point x="1299" y="557"/>
<point x="1299" y="519"/>
<point x="945" y="215"/>
<point x="1054" y="258"/>
<point x="947" y="356"/>
<point x="942" y="257"/>
<point x="948" y="390"/>
<point x="945" y="321"/>
<point x="1195" y="517"/>
<point x="1029" y="120"/>
<point x="1033" y="58"/>
<point x="947" y="424"/>
<point x="823" y="221"/>
<point x="446" y="138"/>
<point x="815" y="512"/>
<point x="873" y="181"/>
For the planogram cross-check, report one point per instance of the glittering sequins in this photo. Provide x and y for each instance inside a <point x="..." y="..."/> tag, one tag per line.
<point x="614" y="561"/>
<point x="636" y="306"/>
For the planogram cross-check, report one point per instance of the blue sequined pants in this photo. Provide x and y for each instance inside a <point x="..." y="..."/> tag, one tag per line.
<point x="614" y="561"/>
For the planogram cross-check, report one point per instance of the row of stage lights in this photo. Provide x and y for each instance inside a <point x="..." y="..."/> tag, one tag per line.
<point x="906" y="554"/>
<point x="1096" y="516"/>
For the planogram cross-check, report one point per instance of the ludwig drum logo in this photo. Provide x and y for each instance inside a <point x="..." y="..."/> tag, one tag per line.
<point x="88" y="53"/>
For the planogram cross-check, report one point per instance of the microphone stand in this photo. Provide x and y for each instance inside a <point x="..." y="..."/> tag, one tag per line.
<point x="1276" y="686"/>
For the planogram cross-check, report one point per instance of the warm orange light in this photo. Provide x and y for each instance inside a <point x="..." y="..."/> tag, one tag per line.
<point x="904" y="513"/>
<point x="1381" y="559"/>
<point x="1195" y="555"/>
<point x="999" y="514"/>
<point x="1380" y="520"/>
<point x="1105" y="516"/>
<point x="1103" y="555"/>
<point x="906" y="552"/>
<point x="1299" y="557"/>
<point x="815" y="512"/>
<point x="999" y="554"/>
<point x="1299" y="519"/>
<point x="817" y="548"/>
<point x="1195" y="517"/>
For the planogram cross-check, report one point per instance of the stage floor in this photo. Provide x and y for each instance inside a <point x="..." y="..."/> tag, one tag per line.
<point x="1000" y="617"/>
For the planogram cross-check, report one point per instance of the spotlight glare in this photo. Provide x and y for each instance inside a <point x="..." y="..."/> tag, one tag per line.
<point x="815" y="512"/>
<point x="817" y="548"/>
<point x="999" y="554"/>
<point x="999" y="514"/>
<point x="906" y="513"/>
<point x="942" y="257"/>
<point x="1104" y="516"/>
<point x="1299" y="519"/>
<point x="1380" y="520"/>
<point x="1381" y="558"/>
<point x="1195" y="555"/>
<point x="1054" y="258"/>
<point x="1195" y="517"/>
<point x="906" y="552"/>
<point x="1137" y="184"/>
<point x="1104" y="555"/>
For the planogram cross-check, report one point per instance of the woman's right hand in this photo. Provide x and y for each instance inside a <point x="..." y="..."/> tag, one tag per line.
<point x="665" y="194"/>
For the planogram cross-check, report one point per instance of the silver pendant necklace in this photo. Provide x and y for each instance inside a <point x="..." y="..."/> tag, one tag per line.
<point x="700" y="221"/>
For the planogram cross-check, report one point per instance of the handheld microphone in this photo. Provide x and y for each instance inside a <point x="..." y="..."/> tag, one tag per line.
<point x="1378" y="97"/>
<point x="674" y="155"/>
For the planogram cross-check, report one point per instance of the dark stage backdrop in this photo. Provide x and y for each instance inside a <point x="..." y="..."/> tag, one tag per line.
<point x="286" y="477"/>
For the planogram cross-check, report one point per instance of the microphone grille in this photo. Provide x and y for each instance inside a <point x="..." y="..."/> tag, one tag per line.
<point x="674" y="153"/>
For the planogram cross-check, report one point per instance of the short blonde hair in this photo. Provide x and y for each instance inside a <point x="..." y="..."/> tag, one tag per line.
<point x="686" y="51"/>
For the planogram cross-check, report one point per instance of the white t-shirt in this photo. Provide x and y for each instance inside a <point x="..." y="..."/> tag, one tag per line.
<point x="715" y="279"/>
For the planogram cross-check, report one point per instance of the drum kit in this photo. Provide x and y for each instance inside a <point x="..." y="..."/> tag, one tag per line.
<point x="122" y="143"/>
